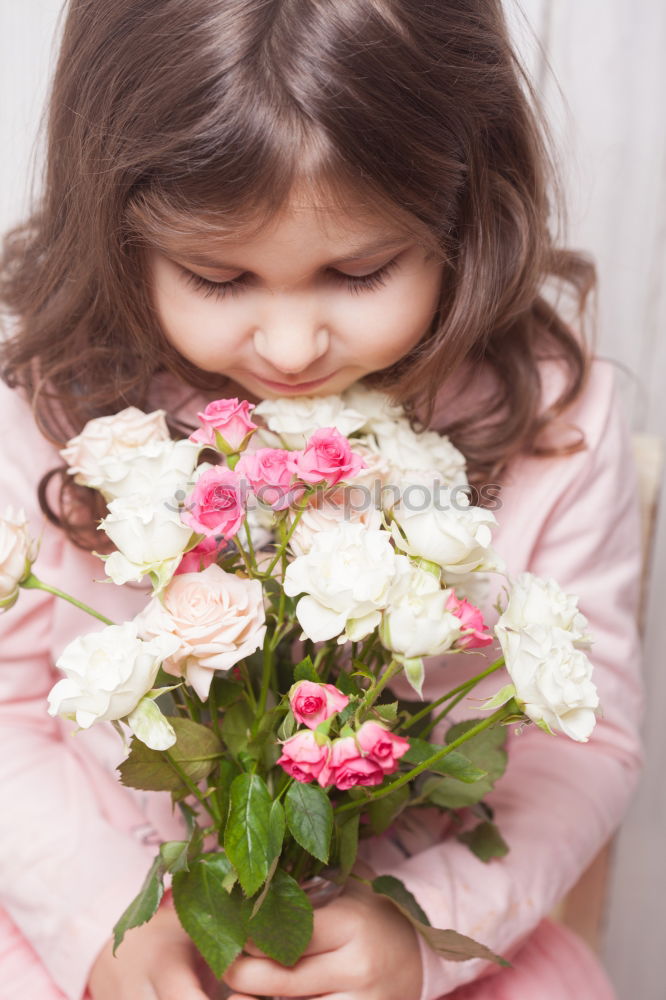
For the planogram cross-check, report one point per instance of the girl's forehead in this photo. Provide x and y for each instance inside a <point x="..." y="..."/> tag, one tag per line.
<point x="349" y="228"/>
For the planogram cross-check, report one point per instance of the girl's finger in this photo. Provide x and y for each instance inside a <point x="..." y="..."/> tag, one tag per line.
<point x="175" y="982"/>
<point x="312" y="976"/>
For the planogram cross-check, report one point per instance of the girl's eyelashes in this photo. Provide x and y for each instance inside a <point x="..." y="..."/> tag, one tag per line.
<point x="355" y="284"/>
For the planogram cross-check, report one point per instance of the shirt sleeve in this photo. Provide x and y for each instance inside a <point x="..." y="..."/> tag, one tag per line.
<point x="559" y="800"/>
<point x="66" y="872"/>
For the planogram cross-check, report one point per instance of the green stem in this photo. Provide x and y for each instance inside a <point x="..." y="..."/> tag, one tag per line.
<point x="187" y="781"/>
<point x="285" y="541"/>
<point x="245" y="674"/>
<point x="214" y="711"/>
<point x="34" y="583"/>
<point x="374" y="692"/>
<point x="248" y="566"/>
<point x="465" y="687"/>
<point x="265" y="676"/>
<point x="250" y="546"/>
<point x="319" y="656"/>
<point x="404" y="779"/>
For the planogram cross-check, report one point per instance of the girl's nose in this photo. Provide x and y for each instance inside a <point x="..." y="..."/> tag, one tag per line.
<point x="290" y="344"/>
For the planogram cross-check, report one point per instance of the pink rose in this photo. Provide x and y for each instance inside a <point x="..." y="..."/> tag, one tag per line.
<point x="381" y="746"/>
<point x="313" y="703"/>
<point x="226" y="425"/>
<point x="201" y="556"/>
<point x="302" y="757"/>
<point x="471" y="620"/>
<point x="347" y="766"/>
<point x="326" y="458"/>
<point x="218" y="617"/>
<point x="270" y="477"/>
<point x="216" y="505"/>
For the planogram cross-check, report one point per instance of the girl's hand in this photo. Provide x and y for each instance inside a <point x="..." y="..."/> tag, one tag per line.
<point x="362" y="948"/>
<point x="156" y="961"/>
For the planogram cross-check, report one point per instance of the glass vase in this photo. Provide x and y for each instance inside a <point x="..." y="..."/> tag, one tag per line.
<point x="320" y="891"/>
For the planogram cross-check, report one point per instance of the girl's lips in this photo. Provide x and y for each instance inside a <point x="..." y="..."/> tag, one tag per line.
<point x="298" y="387"/>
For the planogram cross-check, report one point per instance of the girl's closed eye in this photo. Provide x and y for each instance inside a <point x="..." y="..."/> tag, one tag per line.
<point x="354" y="283"/>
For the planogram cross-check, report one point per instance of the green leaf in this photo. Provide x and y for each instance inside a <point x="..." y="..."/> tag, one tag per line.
<point x="458" y="947"/>
<point x="348" y="844"/>
<point x="485" y="751"/>
<point x="235" y="726"/>
<point x="415" y="674"/>
<point x="247" y="836"/>
<point x="485" y="841"/>
<point x="277" y="825"/>
<point x="196" y="750"/>
<point x="144" y="905"/>
<point x="288" y="726"/>
<point x="227" y="691"/>
<point x="310" y="818"/>
<point x="177" y="854"/>
<point x="305" y="671"/>
<point x="388" y="712"/>
<point x="454" y="763"/>
<point x="174" y="855"/>
<point x="383" y="811"/>
<point x="217" y="921"/>
<point x="359" y="667"/>
<point x="448" y="943"/>
<point x="388" y="885"/>
<point x="346" y="684"/>
<point x="282" y="927"/>
<point x="226" y="772"/>
<point x="499" y="699"/>
<point x="263" y="742"/>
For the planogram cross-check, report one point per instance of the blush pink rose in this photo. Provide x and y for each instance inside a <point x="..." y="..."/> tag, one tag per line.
<point x="226" y="425"/>
<point x="313" y="703"/>
<point x="471" y="620"/>
<point x="381" y="746"/>
<point x="201" y="556"/>
<point x="326" y="458"/>
<point x="217" y="617"/>
<point x="347" y="766"/>
<point x="216" y="505"/>
<point x="268" y="473"/>
<point x="302" y="757"/>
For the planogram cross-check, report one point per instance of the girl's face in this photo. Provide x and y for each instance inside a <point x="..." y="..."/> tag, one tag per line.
<point x="315" y="302"/>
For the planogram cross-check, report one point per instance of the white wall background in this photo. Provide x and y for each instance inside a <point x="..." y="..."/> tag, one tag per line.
<point x="602" y="77"/>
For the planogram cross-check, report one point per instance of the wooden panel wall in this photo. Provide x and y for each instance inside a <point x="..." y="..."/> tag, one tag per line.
<point x="601" y="73"/>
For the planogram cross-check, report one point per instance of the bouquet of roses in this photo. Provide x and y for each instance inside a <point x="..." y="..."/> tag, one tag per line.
<point x="300" y="565"/>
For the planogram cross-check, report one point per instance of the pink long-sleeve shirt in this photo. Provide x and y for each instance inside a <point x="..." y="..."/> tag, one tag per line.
<point x="75" y="845"/>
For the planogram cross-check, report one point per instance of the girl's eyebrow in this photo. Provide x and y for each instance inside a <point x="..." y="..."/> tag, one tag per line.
<point x="355" y="253"/>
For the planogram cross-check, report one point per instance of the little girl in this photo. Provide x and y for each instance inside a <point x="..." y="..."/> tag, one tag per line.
<point x="271" y="198"/>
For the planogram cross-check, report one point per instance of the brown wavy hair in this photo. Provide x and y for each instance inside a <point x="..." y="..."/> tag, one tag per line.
<point x="167" y="114"/>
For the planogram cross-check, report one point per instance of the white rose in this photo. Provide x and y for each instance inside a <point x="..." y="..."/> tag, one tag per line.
<point x="379" y="412"/>
<point x="150" y="538"/>
<point x="346" y="578"/>
<point x="543" y="602"/>
<point x="326" y="511"/>
<point x="216" y="618"/>
<point x="107" y="674"/>
<point x="16" y="555"/>
<point x="551" y="677"/>
<point x="294" y="419"/>
<point x="91" y="454"/>
<point x="473" y="587"/>
<point x="409" y="451"/>
<point x="416" y="622"/>
<point x="449" y="531"/>
<point x="165" y="470"/>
